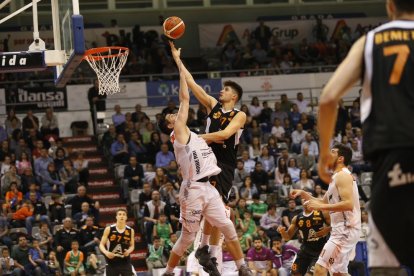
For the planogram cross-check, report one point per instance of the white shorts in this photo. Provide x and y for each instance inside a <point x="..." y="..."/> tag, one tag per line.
<point x="336" y="253"/>
<point x="200" y="199"/>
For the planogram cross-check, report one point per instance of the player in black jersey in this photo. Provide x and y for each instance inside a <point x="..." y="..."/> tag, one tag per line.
<point x="117" y="243"/>
<point x="313" y="227"/>
<point x="384" y="59"/>
<point x="224" y="127"/>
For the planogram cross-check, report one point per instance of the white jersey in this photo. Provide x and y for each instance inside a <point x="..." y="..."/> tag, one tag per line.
<point x="347" y="218"/>
<point x="196" y="159"/>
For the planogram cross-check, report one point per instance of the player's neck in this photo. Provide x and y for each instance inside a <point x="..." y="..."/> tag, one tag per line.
<point x="120" y="225"/>
<point x="228" y="106"/>
<point x="339" y="168"/>
<point x="307" y="212"/>
<point x="404" y="16"/>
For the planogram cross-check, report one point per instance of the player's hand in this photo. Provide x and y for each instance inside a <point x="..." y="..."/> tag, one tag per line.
<point x="281" y="229"/>
<point x="126" y="253"/>
<point x="176" y="53"/>
<point x="324" y="165"/>
<point x="295" y="193"/>
<point x="110" y="255"/>
<point x="312" y="204"/>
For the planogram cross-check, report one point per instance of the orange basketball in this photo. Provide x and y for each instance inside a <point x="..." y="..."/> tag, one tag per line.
<point x="174" y="27"/>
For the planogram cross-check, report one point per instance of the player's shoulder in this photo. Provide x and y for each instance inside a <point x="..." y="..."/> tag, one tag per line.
<point x="344" y="176"/>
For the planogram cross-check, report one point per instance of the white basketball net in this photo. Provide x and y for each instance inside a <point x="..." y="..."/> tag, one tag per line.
<point x="107" y="62"/>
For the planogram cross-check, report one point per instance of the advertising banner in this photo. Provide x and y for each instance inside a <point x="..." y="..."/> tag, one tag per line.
<point x="160" y="92"/>
<point x="36" y="99"/>
<point x="132" y="93"/>
<point x="289" y="31"/>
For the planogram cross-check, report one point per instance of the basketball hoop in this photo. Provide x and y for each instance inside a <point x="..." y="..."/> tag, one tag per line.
<point x="107" y="62"/>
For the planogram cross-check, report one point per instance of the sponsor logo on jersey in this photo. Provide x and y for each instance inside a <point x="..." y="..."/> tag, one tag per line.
<point x="397" y="177"/>
<point x="217" y="115"/>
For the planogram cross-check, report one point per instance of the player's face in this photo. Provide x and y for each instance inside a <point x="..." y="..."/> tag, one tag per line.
<point x="226" y="94"/>
<point x="335" y="157"/>
<point x="121" y="216"/>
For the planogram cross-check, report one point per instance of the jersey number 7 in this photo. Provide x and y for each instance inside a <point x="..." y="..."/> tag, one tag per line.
<point x="402" y="51"/>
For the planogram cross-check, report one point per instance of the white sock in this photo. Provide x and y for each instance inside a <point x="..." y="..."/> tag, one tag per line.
<point x="169" y="269"/>
<point x="214" y="250"/>
<point x="204" y="240"/>
<point x="240" y="262"/>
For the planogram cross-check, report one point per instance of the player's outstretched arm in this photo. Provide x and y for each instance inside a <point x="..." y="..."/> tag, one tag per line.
<point x="347" y="74"/>
<point x="237" y="123"/>
<point x="181" y="130"/>
<point x="287" y="235"/>
<point x="206" y="100"/>
<point x="103" y="242"/>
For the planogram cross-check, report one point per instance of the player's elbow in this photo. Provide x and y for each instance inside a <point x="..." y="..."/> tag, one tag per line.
<point x="328" y="99"/>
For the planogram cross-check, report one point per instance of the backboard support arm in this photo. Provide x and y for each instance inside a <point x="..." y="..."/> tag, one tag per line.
<point x="38" y="44"/>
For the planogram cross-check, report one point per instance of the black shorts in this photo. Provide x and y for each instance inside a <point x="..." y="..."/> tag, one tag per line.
<point x="119" y="269"/>
<point x="224" y="180"/>
<point x="304" y="262"/>
<point x="392" y="202"/>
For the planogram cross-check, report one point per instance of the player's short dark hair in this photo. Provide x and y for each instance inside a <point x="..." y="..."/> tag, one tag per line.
<point x="121" y="210"/>
<point x="4" y="249"/>
<point x="156" y="238"/>
<point x="73" y="241"/>
<point x="345" y="152"/>
<point x="163" y="126"/>
<point x="404" y="5"/>
<point x="256" y="196"/>
<point x="236" y="87"/>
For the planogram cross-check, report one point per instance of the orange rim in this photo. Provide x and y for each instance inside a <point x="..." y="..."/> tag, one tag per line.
<point x="90" y="54"/>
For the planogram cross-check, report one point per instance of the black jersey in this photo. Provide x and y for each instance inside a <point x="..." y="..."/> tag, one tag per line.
<point x="118" y="243"/>
<point x="217" y="120"/>
<point x="387" y="101"/>
<point x="308" y="225"/>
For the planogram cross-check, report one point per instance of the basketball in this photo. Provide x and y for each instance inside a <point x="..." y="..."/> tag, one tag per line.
<point x="174" y="27"/>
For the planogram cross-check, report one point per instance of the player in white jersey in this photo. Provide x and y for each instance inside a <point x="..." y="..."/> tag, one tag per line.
<point x="197" y="196"/>
<point x="342" y="202"/>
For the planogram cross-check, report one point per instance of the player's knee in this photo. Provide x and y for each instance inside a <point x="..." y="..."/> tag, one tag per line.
<point x="185" y="240"/>
<point x="227" y="228"/>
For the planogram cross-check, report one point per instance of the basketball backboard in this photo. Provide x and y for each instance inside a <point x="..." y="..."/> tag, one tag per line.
<point x="68" y="35"/>
<point x="68" y="42"/>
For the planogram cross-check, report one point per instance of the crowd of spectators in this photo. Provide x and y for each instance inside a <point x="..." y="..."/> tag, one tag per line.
<point x="264" y="53"/>
<point x="278" y="151"/>
<point x="39" y="177"/>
